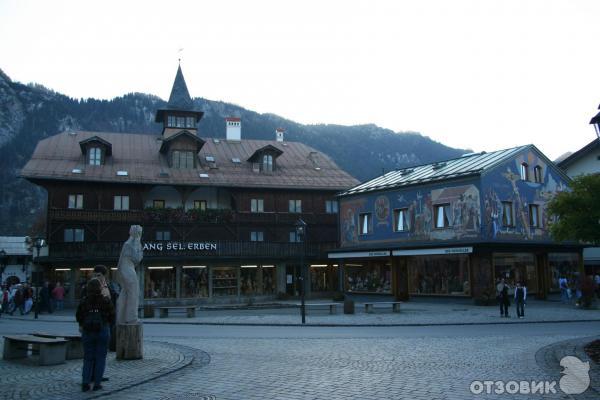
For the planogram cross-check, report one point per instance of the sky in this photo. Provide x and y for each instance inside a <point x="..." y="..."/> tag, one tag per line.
<point x="477" y="74"/>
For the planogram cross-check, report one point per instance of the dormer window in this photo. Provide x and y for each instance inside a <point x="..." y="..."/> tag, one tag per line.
<point x="95" y="156"/>
<point x="267" y="163"/>
<point x="182" y="159"/>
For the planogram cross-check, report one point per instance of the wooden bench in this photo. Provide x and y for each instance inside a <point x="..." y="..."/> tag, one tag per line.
<point x="395" y="305"/>
<point x="52" y="351"/>
<point x="332" y="306"/>
<point x="74" y="345"/>
<point x="164" y="311"/>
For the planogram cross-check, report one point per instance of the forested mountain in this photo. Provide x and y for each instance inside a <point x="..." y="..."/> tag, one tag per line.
<point x="32" y="112"/>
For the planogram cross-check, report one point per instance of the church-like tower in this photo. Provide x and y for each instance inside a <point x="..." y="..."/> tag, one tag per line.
<point x="180" y="113"/>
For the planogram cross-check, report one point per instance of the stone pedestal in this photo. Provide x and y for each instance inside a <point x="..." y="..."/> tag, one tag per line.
<point x="130" y="341"/>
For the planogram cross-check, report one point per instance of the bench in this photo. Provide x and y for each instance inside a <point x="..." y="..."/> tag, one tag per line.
<point x="74" y="345"/>
<point x="395" y="305"/>
<point x="52" y="351"/>
<point x="332" y="306"/>
<point x="164" y="311"/>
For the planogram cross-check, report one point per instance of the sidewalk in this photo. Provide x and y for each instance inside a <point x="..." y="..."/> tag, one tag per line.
<point x="419" y="312"/>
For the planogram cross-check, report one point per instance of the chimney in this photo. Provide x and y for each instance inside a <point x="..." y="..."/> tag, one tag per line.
<point x="279" y="134"/>
<point x="234" y="129"/>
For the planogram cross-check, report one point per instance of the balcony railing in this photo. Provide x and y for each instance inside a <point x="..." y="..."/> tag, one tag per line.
<point x="174" y="249"/>
<point x="180" y="216"/>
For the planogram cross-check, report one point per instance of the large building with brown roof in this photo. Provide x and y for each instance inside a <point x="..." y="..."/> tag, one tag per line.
<point x="219" y="215"/>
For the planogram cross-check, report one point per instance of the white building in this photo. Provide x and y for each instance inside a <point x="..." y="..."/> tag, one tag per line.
<point x="16" y="259"/>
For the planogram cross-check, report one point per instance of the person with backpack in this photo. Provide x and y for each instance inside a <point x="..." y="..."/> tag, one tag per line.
<point x="95" y="314"/>
<point x="503" y="298"/>
<point x="520" y="299"/>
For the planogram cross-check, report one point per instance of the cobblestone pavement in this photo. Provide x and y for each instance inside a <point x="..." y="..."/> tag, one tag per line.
<point x="335" y="368"/>
<point x="24" y="379"/>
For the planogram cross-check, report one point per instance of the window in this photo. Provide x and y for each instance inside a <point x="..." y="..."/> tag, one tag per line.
<point x="442" y="216"/>
<point x="267" y="164"/>
<point x="257" y="205"/>
<point x="295" y="238"/>
<point x="295" y="206"/>
<point x="200" y="205"/>
<point x="256" y="236"/>
<point x="121" y="202"/>
<point x="74" y="235"/>
<point x="365" y="223"/>
<point x="331" y="206"/>
<point x="171" y="121"/>
<point x="180" y="122"/>
<point x="507" y="213"/>
<point x="525" y="172"/>
<point x="534" y="216"/>
<point x="163" y="235"/>
<point x="182" y="159"/>
<point x="158" y="203"/>
<point x="75" y="201"/>
<point x="537" y="174"/>
<point x="401" y="220"/>
<point x="95" y="156"/>
<point x="190" y="122"/>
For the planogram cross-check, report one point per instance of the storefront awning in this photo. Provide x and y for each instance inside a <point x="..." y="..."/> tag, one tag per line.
<point x="426" y="252"/>
<point x="360" y="254"/>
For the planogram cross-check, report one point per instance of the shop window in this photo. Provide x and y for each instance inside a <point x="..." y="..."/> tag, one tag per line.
<point x="524" y="171"/>
<point x="163" y="235"/>
<point x="121" y="202"/>
<point x="200" y="205"/>
<point x="295" y="206"/>
<point x="331" y="206"/>
<point x="268" y="279"/>
<point x="443" y="275"/>
<point x="249" y="280"/>
<point x="75" y="201"/>
<point x="323" y="278"/>
<point x="507" y="214"/>
<point x="158" y="203"/>
<point x="256" y="236"/>
<point x="194" y="281"/>
<point x="373" y="277"/>
<point x="62" y="276"/>
<point x="267" y="163"/>
<point x="537" y="174"/>
<point x="257" y="205"/>
<point x="534" y="216"/>
<point x="74" y="235"/>
<point x="182" y="159"/>
<point x="160" y="282"/>
<point x="95" y="156"/>
<point x="442" y="216"/>
<point x="365" y="223"/>
<point x="563" y="266"/>
<point x="516" y="267"/>
<point x="225" y="282"/>
<point x="401" y="220"/>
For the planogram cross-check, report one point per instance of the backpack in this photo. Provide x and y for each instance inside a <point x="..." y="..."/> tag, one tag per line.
<point x="92" y="322"/>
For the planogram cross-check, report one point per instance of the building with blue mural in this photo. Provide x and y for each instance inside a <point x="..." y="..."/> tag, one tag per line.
<point x="455" y="227"/>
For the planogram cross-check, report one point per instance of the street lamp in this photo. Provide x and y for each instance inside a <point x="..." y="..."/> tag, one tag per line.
<point x="38" y="244"/>
<point x="3" y="258"/>
<point x="300" y="237"/>
<point x="596" y="122"/>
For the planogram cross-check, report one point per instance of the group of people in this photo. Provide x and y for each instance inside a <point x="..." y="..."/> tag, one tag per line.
<point x="20" y="296"/>
<point x="503" y="296"/>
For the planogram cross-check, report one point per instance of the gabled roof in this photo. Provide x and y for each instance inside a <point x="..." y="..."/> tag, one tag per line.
<point x="96" y="139"/>
<point x="255" y="157"/>
<point x="467" y="165"/>
<point x="56" y="157"/>
<point x="585" y="150"/>
<point x="167" y="142"/>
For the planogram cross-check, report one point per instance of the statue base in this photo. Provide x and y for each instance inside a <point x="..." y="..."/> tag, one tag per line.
<point x="130" y="341"/>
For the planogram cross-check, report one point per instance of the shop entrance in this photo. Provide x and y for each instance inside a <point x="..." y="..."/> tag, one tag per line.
<point x="516" y="267"/>
<point x="292" y="280"/>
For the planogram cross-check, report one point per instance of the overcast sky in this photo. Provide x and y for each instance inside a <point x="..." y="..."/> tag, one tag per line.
<point x="477" y="74"/>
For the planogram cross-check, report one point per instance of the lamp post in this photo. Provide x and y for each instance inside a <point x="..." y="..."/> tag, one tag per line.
<point x="300" y="237"/>
<point x="3" y="258"/>
<point x="38" y="244"/>
<point x="596" y="122"/>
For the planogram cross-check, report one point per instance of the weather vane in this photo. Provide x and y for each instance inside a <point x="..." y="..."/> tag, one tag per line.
<point x="180" y="51"/>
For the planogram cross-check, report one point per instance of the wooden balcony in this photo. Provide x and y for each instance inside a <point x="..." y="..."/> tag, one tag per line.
<point x="175" y="249"/>
<point x="180" y="216"/>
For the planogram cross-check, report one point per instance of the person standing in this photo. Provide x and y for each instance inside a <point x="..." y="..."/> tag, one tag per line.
<point x="58" y="294"/>
<point x="503" y="298"/>
<point x="44" y="298"/>
<point x="520" y="299"/>
<point x="564" y="289"/>
<point x="94" y="315"/>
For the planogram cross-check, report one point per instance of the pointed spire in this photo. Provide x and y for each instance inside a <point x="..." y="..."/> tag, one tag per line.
<point x="180" y="97"/>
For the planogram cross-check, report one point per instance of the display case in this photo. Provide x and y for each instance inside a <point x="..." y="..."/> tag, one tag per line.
<point x="224" y="281"/>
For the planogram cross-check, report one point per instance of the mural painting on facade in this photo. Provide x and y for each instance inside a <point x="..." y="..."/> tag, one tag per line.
<point x="349" y="212"/>
<point x="464" y="215"/>
<point x="382" y="210"/>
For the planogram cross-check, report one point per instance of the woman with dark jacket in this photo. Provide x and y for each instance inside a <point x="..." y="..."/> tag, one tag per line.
<point x="95" y="314"/>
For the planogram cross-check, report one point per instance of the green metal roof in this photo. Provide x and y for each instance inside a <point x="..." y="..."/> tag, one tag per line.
<point x="467" y="165"/>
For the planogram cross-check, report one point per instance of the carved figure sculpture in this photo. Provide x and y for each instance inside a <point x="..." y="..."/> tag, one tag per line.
<point x="131" y="256"/>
